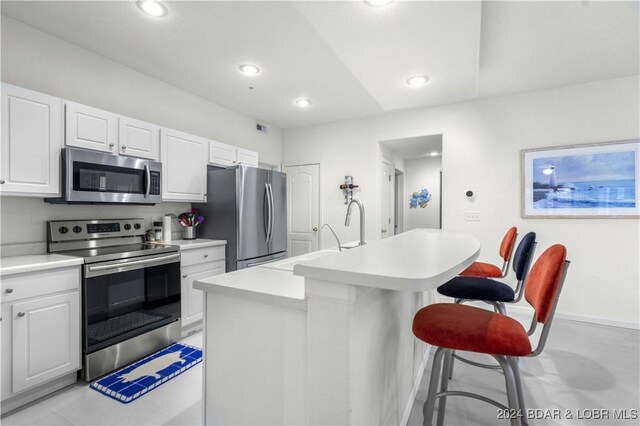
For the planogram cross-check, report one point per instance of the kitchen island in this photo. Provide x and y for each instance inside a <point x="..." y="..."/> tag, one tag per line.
<point x="325" y="338"/>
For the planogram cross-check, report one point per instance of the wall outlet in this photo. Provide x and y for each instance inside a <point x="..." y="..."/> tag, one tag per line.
<point x="472" y="216"/>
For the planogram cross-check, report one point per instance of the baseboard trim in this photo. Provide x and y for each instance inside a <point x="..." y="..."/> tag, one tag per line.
<point x="416" y="386"/>
<point x="579" y="318"/>
<point x="526" y="310"/>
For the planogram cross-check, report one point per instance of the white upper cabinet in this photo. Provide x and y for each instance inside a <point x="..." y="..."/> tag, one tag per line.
<point x="184" y="166"/>
<point x="246" y="157"/>
<point x="91" y="128"/>
<point x="31" y="142"/>
<point x="138" y="139"/>
<point x="222" y="154"/>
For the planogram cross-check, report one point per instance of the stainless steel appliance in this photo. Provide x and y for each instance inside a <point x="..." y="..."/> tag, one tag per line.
<point x="130" y="290"/>
<point x="247" y="207"/>
<point x="96" y="177"/>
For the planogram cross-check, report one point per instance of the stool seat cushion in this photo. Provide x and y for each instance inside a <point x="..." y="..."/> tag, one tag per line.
<point x="481" y="269"/>
<point x="472" y="329"/>
<point x="477" y="288"/>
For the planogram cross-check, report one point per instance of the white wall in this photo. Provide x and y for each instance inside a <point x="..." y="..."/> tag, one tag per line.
<point x="481" y="151"/>
<point x="422" y="173"/>
<point x="41" y="62"/>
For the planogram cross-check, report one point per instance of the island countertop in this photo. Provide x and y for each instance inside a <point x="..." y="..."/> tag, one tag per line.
<point x="417" y="260"/>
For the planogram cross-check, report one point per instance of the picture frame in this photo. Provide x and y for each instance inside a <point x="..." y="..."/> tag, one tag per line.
<point x="596" y="180"/>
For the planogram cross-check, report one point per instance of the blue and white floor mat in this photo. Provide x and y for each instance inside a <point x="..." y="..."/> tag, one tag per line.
<point x="133" y="381"/>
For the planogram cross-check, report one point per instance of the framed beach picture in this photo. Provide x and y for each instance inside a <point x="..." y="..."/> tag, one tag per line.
<point x="582" y="181"/>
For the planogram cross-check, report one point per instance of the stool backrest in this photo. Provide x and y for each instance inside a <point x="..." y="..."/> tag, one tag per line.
<point x="544" y="281"/>
<point x="524" y="253"/>
<point x="508" y="241"/>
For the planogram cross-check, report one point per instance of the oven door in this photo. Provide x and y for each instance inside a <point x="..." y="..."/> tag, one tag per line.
<point x="129" y="297"/>
<point x="94" y="177"/>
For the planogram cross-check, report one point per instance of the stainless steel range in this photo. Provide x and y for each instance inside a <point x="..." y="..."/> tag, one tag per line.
<point x="130" y="290"/>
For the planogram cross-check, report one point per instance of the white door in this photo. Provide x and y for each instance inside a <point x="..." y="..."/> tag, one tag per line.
<point x="46" y="339"/>
<point x="303" y="190"/>
<point x="222" y="154"/>
<point x="247" y="157"/>
<point x="386" y="199"/>
<point x="192" y="299"/>
<point x="90" y="128"/>
<point x="31" y="142"/>
<point x="138" y="139"/>
<point x="184" y="166"/>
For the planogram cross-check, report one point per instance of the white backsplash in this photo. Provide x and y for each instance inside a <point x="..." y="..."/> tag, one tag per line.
<point x="23" y="220"/>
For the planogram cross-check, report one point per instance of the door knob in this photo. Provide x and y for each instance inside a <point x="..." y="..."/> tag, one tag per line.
<point x="20" y="314"/>
<point x="315" y="229"/>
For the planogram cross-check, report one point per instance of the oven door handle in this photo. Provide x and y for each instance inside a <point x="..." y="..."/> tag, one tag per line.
<point x="99" y="269"/>
<point x="148" y="173"/>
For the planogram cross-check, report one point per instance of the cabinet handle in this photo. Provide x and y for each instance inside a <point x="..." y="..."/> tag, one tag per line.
<point x="206" y="255"/>
<point x="184" y="276"/>
<point x="315" y="229"/>
<point x="9" y="291"/>
<point x="1" y="182"/>
<point x="110" y="146"/>
<point x="124" y="147"/>
<point x="21" y="314"/>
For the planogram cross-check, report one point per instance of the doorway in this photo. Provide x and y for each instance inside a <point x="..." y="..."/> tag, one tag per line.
<point x="303" y="208"/>
<point x="416" y="172"/>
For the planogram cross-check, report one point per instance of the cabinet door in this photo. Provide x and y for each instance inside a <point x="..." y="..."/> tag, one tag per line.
<point x="46" y="339"/>
<point x="138" y="139"/>
<point x="31" y="142"/>
<point x="184" y="166"/>
<point x="222" y="154"/>
<point x="90" y="128"/>
<point x="192" y="299"/>
<point x="246" y="157"/>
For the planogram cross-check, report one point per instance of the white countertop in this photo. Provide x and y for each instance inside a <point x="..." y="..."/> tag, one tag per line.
<point x="417" y="260"/>
<point x="36" y="262"/>
<point x="194" y="244"/>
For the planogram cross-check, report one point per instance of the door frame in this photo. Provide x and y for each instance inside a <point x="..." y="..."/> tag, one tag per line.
<point x="391" y="206"/>
<point x="310" y="162"/>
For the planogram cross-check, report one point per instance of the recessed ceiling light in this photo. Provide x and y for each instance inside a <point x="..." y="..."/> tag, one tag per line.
<point x="418" y="80"/>
<point x="378" y="3"/>
<point x="434" y="153"/>
<point x="248" y="69"/>
<point x="153" y="8"/>
<point x="303" y="102"/>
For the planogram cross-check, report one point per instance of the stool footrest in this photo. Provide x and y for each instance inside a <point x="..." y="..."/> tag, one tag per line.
<point x="474" y="396"/>
<point x="477" y="364"/>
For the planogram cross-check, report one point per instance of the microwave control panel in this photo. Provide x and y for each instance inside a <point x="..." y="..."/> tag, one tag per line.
<point x="155" y="183"/>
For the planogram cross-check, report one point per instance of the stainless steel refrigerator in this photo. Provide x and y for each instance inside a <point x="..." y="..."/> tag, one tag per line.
<point x="247" y="207"/>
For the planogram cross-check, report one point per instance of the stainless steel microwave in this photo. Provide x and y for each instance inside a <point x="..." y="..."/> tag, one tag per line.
<point x="94" y="177"/>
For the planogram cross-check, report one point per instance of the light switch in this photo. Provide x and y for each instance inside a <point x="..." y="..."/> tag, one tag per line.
<point x="472" y="216"/>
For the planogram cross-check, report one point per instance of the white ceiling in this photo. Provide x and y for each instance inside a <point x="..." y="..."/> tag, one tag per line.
<point x="350" y="59"/>
<point x="415" y="147"/>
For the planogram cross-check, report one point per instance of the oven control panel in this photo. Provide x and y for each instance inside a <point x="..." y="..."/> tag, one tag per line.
<point x="73" y="230"/>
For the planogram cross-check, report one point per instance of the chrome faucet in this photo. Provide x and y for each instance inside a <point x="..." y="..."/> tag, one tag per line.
<point x="348" y="218"/>
<point x="334" y="235"/>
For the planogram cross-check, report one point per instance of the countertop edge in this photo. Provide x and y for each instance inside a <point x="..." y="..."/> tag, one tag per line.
<point x="41" y="266"/>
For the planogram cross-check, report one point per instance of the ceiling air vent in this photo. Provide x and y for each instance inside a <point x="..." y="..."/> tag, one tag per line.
<point x="261" y="128"/>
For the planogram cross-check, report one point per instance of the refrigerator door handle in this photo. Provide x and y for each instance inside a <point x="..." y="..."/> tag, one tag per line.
<point x="267" y="194"/>
<point x="271" y="213"/>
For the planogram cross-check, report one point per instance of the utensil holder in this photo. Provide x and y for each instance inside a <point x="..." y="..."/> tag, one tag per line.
<point x="189" y="233"/>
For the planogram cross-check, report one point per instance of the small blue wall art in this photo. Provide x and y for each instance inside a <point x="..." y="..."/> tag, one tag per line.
<point x="421" y="199"/>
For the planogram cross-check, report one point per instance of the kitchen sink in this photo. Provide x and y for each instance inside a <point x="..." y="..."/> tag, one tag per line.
<point x="288" y="264"/>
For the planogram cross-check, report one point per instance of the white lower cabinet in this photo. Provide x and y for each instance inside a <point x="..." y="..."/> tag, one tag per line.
<point x="40" y="330"/>
<point x="210" y="262"/>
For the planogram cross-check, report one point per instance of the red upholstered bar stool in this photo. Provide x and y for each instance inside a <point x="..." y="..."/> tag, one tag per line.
<point x="455" y="327"/>
<point x="488" y="270"/>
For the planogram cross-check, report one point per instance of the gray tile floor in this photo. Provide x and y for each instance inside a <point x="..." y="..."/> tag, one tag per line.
<point x="583" y="367"/>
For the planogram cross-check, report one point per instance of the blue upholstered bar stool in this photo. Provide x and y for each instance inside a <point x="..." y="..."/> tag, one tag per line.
<point x="491" y="291"/>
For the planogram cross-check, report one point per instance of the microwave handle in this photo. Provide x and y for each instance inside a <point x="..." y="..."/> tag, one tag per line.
<point x="148" y="173"/>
